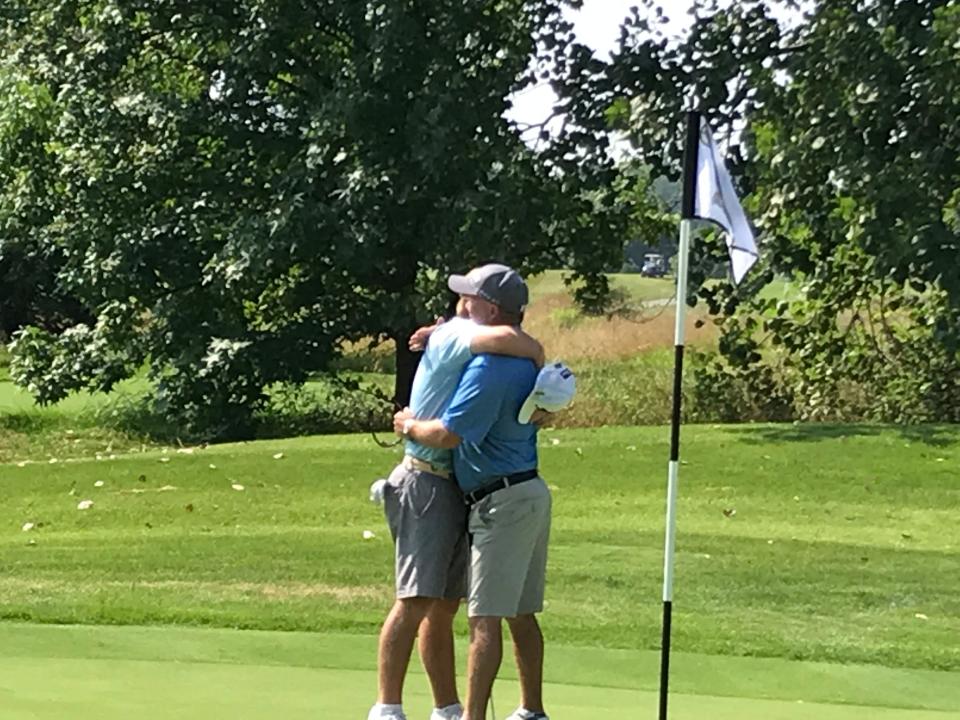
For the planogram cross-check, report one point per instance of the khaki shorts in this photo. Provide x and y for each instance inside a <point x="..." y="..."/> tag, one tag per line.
<point x="510" y="530"/>
<point x="428" y="522"/>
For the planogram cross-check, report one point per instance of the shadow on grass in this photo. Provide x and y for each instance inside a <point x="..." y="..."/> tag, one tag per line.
<point x="27" y="421"/>
<point x="933" y="435"/>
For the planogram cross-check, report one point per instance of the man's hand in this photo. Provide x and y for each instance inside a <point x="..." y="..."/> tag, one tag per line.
<point x="431" y="433"/>
<point x="541" y="418"/>
<point x="400" y="418"/>
<point x="418" y="341"/>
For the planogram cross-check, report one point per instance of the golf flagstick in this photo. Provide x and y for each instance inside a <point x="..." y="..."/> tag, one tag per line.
<point x="708" y="193"/>
<point x="683" y="258"/>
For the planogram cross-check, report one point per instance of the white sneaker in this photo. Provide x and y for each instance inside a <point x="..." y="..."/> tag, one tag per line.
<point x="453" y="713"/>
<point x="378" y="712"/>
<point x="523" y="714"/>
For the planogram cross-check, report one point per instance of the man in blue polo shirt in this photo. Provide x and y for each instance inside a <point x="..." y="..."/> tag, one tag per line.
<point x="495" y="463"/>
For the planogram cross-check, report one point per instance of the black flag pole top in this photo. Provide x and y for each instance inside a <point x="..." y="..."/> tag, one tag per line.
<point x="690" y="164"/>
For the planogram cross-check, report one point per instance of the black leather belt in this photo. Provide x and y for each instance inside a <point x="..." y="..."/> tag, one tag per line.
<point x="472" y="498"/>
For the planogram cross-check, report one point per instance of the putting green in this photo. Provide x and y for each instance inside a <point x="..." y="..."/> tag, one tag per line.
<point x="107" y="673"/>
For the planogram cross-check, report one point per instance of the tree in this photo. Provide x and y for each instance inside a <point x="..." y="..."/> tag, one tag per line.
<point x="29" y="292"/>
<point x="239" y="188"/>
<point x="844" y="134"/>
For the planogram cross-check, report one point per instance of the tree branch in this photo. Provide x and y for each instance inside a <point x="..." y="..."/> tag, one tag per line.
<point x="526" y="127"/>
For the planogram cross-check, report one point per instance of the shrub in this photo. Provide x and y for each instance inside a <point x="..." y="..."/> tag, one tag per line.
<point x="634" y="391"/>
<point x="720" y="392"/>
<point x="328" y="405"/>
<point x="4" y="363"/>
<point x="325" y="406"/>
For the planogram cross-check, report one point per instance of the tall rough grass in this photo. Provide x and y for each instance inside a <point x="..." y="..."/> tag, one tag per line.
<point x="576" y="338"/>
<point x="632" y="391"/>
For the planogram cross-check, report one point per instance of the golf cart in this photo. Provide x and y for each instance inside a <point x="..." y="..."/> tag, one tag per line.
<point x="653" y="266"/>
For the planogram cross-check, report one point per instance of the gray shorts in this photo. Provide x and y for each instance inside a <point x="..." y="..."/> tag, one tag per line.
<point x="508" y="556"/>
<point x="428" y="522"/>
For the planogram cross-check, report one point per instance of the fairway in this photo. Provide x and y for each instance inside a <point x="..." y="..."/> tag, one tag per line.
<point x="817" y="578"/>
<point x="818" y="543"/>
<point x="84" y="673"/>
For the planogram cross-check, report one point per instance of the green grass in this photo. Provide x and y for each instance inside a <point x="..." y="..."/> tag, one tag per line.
<point x="74" y="427"/>
<point x="14" y="400"/>
<point x="122" y="422"/>
<point x="841" y="538"/>
<point x="781" y="289"/>
<point x="104" y="673"/>
<point x="642" y="288"/>
<point x="638" y="287"/>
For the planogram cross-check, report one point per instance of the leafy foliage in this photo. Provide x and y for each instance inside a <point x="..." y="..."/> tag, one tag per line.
<point x="237" y="189"/>
<point x="844" y="136"/>
<point x="30" y="293"/>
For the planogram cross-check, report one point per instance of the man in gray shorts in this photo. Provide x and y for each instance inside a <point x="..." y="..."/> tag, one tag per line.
<point x="509" y="504"/>
<point x="427" y="518"/>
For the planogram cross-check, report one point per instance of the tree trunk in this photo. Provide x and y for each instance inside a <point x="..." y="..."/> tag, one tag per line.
<point x="407" y="362"/>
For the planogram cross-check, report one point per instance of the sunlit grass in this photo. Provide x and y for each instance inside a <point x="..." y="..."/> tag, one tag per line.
<point x="827" y="543"/>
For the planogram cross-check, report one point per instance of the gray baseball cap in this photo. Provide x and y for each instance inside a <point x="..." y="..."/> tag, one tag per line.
<point x="494" y="283"/>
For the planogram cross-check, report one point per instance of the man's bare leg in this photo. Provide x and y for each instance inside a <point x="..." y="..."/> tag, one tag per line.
<point x="396" y="643"/>
<point x="528" y="649"/>
<point x="436" y="651"/>
<point x="486" y="653"/>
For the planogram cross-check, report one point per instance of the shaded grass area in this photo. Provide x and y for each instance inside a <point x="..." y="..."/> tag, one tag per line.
<point x="124" y="420"/>
<point x="832" y="546"/>
<point x="79" y="426"/>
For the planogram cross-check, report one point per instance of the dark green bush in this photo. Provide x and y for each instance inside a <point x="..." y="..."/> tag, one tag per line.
<point x="327" y="406"/>
<point x="324" y="406"/>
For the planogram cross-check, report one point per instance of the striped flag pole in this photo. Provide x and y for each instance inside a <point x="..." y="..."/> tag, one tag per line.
<point x="687" y="215"/>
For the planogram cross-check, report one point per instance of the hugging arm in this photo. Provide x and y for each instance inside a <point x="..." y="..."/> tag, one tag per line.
<point x="491" y="339"/>
<point x="507" y="340"/>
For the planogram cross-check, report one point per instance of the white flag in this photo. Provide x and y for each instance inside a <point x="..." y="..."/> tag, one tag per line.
<point x="715" y="199"/>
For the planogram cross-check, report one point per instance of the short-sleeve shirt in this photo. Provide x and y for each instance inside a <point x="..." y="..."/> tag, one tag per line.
<point x="483" y="412"/>
<point x="435" y="382"/>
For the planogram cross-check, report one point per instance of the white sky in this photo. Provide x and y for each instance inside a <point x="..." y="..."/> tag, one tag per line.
<point x="597" y="25"/>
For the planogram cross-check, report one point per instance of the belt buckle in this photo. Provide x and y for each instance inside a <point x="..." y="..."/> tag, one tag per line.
<point x="501" y="483"/>
<point x="479" y="494"/>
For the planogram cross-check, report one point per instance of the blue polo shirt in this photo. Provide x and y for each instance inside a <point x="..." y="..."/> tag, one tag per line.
<point x="483" y="412"/>
<point x="435" y="382"/>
